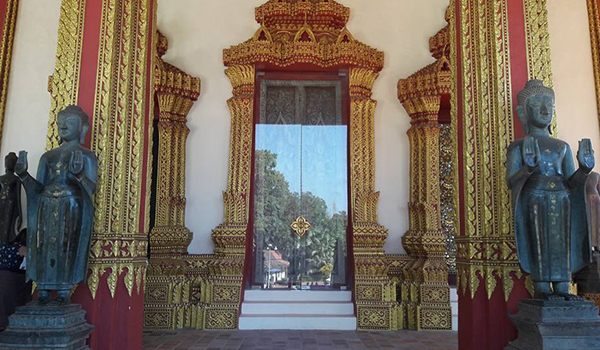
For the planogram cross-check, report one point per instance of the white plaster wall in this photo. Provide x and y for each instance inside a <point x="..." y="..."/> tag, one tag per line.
<point x="28" y="100"/>
<point x="199" y="30"/>
<point x="573" y="73"/>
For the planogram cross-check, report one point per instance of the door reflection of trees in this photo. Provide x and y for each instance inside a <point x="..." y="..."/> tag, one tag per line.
<point x="276" y="206"/>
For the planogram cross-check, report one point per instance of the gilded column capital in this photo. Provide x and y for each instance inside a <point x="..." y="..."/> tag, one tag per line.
<point x="242" y="80"/>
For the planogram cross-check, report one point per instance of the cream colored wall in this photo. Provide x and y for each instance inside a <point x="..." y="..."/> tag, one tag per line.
<point x="28" y="100"/>
<point x="573" y="73"/>
<point x="198" y="31"/>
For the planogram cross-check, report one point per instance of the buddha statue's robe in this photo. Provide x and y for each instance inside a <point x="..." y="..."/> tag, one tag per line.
<point x="551" y="222"/>
<point x="59" y="238"/>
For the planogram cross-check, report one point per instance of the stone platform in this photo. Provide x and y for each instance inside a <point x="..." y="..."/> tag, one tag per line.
<point x="50" y="326"/>
<point x="556" y="325"/>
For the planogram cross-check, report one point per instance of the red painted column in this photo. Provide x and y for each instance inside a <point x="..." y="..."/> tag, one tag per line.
<point x="483" y="322"/>
<point x="114" y="85"/>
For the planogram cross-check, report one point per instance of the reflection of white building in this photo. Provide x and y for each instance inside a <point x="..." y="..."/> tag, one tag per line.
<point x="276" y="266"/>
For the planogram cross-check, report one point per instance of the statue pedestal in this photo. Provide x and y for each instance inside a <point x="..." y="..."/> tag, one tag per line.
<point x="46" y="327"/>
<point x="556" y="325"/>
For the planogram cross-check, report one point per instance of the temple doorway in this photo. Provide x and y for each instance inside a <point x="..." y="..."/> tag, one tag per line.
<point x="300" y="182"/>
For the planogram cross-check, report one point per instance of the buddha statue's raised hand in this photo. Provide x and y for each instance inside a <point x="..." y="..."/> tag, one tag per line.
<point x="585" y="156"/>
<point x="531" y="153"/>
<point x="22" y="165"/>
<point x="76" y="164"/>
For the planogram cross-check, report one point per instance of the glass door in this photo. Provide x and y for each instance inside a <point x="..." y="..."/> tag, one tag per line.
<point x="300" y="186"/>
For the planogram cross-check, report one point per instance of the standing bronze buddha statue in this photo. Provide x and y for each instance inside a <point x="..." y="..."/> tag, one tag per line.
<point x="60" y="209"/>
<point x="551" y="229"/>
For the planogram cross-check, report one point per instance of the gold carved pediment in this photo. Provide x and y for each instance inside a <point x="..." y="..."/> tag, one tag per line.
<point x="306" y="31"/>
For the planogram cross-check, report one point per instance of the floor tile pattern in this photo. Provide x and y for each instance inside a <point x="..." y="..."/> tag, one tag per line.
<point x="315" y="340"/>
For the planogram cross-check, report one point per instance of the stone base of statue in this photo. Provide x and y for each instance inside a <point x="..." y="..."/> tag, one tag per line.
<point x="556" y="325"/>
<point x="50" y="326"/>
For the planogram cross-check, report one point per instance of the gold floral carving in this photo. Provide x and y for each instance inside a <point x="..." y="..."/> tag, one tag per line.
<point x="176" y="297"/>
<point x="169" y="302"/>
<point x="424" y="291"/>
<point x="300" y="226"/>
<point x="119" y="120"/>
<point x="594" y="20"/>
<point x="303" y="32"/>
<point x="312" y="32"/>
<point x="64" y="84"/>
<point x="486" y="247"/>
<point x="537" y="39"/>
<point x="8" y="36"/>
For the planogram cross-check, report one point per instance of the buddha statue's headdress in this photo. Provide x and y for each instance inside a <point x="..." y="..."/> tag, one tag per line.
<point x="532" y="88"/>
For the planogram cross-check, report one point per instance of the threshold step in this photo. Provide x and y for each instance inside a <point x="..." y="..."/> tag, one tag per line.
<point x="297" y="295"/>
<point x="291" y="322"/>
<point x="298" y="308"/>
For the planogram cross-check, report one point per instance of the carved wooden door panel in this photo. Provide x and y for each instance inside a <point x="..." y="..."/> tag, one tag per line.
<point x="300" y="186"/>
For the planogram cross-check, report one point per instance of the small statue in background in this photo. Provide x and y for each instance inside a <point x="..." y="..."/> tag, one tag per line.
<point x="551" y="229"/>
<point x="60" y="209"/>
<point x="592" y="190"/>
<point x="588" y="279"/>
<point x="10" y="201"/>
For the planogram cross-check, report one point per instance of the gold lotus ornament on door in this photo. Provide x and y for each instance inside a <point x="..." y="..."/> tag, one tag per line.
<point x="300" y="226"/>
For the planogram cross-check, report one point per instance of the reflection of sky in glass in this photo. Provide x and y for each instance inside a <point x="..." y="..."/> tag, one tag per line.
<point x="324" y="159"/>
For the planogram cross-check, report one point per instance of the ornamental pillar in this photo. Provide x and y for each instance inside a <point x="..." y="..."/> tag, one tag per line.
<point x="104" y="64"/>
<point x="425" y="292"/>
<point x="168" y="291"/>
<point x="227" y="268"/>
<point x="375" y="294"/>
<point x="496" y="47"/>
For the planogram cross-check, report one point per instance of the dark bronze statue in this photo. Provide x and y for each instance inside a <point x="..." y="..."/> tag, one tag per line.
<point x="593" y="199"/>
<point x="10" y="201"/>
<point x="551" y="229"/>
<point x="60" y="209"/>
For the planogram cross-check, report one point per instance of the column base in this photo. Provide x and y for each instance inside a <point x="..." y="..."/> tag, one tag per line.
<point x="50" y="326"/>
<point x="556" y="325"/>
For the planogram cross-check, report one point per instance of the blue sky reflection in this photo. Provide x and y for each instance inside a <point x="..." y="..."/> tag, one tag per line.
<point x="324" y="159"/>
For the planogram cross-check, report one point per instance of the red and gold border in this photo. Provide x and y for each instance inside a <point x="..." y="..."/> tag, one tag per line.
<point x="594" y="19"/>
<point x="8" y="20"/>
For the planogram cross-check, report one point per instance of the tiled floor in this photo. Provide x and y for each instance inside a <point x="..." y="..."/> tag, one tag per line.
<point x="263" y="340"/>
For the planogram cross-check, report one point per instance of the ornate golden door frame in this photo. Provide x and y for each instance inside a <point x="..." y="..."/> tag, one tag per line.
<point x="310" y="34"/>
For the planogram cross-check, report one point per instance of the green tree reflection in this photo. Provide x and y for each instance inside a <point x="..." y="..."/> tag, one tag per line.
<point x="276" y="207"/>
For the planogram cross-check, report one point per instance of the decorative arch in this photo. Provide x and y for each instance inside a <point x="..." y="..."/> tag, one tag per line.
<point x="308" y="34"/>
